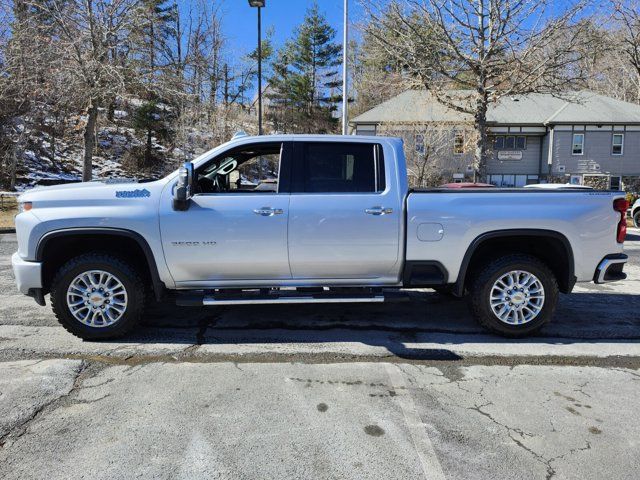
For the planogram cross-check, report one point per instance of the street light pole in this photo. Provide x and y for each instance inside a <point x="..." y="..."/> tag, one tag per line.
<point x="259" y="70"/>
<point x="345" y="96"/>
<point x="260" y="4"/>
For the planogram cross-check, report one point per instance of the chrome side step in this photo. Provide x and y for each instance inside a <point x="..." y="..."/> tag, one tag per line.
<point x="211" y="300"/>
<point x="285" y="297"/>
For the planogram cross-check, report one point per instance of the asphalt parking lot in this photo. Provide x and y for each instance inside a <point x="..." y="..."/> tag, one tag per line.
<point x="381" y="391"/>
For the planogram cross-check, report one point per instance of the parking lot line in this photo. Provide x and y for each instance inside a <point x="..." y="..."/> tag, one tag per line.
<point x="417" y="429"/>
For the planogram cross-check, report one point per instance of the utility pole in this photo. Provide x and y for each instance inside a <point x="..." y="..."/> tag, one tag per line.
<point x="345" y="70"/>
<point x="259" y="70"/>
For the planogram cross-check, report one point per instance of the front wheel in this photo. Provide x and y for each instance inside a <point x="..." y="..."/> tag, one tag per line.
<point x="97" y="296"/>
<point x="636" y="219"/>
<point x="513" y="296"/>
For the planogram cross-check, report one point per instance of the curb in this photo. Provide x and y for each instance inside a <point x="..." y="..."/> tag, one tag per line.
<point x="7" y="230"/>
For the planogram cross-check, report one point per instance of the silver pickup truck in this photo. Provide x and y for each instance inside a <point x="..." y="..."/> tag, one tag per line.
<point x="300" y="219"/>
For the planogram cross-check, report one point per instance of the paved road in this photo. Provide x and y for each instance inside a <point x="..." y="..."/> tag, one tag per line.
<point x="391" y="391"/>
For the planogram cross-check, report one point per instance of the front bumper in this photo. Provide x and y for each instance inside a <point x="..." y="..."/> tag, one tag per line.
<point x="28" y="274"/>
<point x="610" y="268"/>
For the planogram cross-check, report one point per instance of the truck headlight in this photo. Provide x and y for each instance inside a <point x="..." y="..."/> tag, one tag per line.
<point x="24" y="206"/>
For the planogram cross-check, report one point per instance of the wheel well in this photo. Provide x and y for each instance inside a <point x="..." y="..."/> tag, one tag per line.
<point x="59" y="249"/>
<point x="554" y="251"/>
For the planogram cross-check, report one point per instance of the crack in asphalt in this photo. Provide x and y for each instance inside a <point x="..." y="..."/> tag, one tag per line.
<point x="21" y="429"/>
<point x="581" y="387"/>
<point x="203" y="325"/>
<point x="512" y="431"/>
<point x="634" y="374"/>
<point x="516" y="434"/>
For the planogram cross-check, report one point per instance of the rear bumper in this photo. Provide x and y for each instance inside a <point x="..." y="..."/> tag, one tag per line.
<point x="610" y="269"/>
<point x="28" y="274"/>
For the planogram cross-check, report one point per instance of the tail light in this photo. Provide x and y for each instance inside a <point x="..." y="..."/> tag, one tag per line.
<point x="621" y="205"/>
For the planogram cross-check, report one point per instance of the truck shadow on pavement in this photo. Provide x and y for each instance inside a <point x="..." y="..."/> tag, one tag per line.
<point x="428" y="318"/>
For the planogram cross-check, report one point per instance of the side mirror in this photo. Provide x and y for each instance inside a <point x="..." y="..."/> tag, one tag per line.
<point x="184" y="188"/>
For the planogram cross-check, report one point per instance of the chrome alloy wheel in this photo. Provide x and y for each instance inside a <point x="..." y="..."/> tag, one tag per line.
<point x="97" y="298"/>
<point x="517" y="297"/>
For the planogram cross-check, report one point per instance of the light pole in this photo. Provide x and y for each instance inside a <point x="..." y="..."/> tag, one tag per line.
<point x="345" y="96"/>
<point x="259" y="4"/>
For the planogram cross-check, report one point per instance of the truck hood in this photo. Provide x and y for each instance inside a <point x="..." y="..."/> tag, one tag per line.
<point x="67" y="186"/>
<point x="92" y="192"/>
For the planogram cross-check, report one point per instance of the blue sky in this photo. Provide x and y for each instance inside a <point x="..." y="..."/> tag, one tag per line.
<point x="240" y="21"/>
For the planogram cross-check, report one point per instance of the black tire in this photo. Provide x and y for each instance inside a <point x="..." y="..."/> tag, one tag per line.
<point x="636" y="219"/>
<point x="116" y="266"/>
<point x="482" y="283"/>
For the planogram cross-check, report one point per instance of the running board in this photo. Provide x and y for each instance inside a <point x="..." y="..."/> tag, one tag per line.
<point x="191" y="300"/>
<point x="211" y="300"/>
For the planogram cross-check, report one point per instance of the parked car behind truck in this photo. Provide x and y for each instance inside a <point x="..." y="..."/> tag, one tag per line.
<point x="339" y="225"/>
<point x="635" y="213"/>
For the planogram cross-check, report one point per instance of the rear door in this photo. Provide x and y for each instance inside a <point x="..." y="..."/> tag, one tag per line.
<point x="344" y="216"/>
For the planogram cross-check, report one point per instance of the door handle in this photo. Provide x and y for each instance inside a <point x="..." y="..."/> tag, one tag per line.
<point x="268" y="211"/>
<point x="378" y="211"/>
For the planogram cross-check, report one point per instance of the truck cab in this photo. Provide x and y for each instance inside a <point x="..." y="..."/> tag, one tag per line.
<point x="333" y="216"/>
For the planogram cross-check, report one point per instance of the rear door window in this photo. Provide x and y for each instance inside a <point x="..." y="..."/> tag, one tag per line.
<point x="335" y="167"/>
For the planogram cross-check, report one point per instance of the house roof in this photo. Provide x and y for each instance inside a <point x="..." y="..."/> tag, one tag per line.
<point x="418" y="106"/>
<point x="411" y="106"/>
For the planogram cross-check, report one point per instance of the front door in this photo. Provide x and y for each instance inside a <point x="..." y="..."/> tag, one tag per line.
<point x="344" y="220"/>
<point x="236" y="226"/>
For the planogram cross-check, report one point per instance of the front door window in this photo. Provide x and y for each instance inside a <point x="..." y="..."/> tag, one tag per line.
<point x="253" y="168"/>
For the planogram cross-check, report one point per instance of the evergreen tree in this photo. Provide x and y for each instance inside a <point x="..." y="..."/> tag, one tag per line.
<point x="148" y="120"/>
<point x="153" y="41"/>
<point x="305" y="78"/>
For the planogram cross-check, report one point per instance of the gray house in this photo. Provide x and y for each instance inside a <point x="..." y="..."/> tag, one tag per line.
<point x="580" y="137"/>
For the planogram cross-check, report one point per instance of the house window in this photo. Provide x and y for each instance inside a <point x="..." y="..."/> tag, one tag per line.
<point x="458" y="144"/>
<point x="510" y="142"/>
<point x="618" y="144"/>
<point x="577" y="147"/>
<point x="511" y="181"/>
<point x="615" y="183"/>
<point x="365" y="130"/>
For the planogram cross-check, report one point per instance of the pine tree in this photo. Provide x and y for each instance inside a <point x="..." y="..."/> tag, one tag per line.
<point x="148" y="120"/>
<point x="153" y="41"/>
<point x="305" y="78"/>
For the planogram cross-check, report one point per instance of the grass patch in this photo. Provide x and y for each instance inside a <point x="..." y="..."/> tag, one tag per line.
<point x="8" y="211"/>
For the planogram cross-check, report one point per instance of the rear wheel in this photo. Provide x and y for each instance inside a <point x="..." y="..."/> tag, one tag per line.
<point x="636" y="219"/>
<point x="97" y="296"/>
<point x="513" y="296"/>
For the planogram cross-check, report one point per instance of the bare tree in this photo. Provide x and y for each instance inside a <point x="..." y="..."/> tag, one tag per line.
<point x="25" y="79"/>
<point x="87" y="32"/>
<point x="434" y="152"/>
<point x="468" y="54"/>
<point x="375" y="77"/>
<point x="606" y="60"/>
<point x="627" y="14"/>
